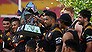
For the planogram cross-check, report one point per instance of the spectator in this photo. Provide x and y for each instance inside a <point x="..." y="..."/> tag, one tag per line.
<point x="70" y="10"/>
<point x="15" y="22"/>
<point x="7" y="35"/>
<point x="53" y="37"/>
<point x="69" y="33"/>
<point x="84" y="18"/>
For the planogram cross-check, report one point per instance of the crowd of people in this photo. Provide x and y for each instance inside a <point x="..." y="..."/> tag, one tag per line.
<point x="65" y="34"/>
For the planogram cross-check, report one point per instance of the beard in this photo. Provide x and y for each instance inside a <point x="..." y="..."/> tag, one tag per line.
<point x="80" y="23"/>
<point x="47" y="26"/>
<point x="61" y="26"/>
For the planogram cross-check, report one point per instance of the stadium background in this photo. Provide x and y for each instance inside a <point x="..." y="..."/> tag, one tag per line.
<point x="10" y="7"/>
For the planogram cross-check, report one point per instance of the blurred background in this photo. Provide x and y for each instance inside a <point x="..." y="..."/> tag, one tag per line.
<point x="9" y="8"/>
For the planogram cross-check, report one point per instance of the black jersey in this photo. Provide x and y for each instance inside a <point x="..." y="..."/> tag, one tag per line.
<point x="75" y="35"/>
<point x="52" y="38"/>
<point x="86" y="36"/>
<point x="75" y="38"/>
<point x="7" y="37"/>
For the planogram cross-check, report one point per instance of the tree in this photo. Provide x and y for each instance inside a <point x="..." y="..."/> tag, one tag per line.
<point x="78" y="5"/>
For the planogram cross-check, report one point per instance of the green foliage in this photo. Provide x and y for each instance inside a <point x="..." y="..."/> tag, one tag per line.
<point x="78" y="4"/>
<point x="91" y="20"/>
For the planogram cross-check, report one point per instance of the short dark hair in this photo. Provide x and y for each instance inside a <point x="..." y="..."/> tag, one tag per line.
<point x="85" y="13"/>
<point x="7" y="19"/>
<point x="51" y="14"/>
<point x="31" y="43"/>
<point x="45" y="11"/>
<point x="72" y="44"/>
<point x="66" y="18"/>
<point x="15" y="19"/>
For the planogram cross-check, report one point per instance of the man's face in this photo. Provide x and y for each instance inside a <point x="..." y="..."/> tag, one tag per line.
<point x="29" y="16"/>
<point x="61" y="24"/>
<point x="47" y="21"/>
<point x="15" y="25"/>
<point x="81" y="19"/>
<point x="6" y="25"/>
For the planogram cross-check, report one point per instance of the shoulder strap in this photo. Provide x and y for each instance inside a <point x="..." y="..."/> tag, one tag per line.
<point x="88" y="27"/>
<point x="56" y="29"/>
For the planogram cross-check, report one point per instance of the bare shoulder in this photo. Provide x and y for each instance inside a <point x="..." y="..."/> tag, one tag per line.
<point x="90" y="43"/>
<point x="67" y="36"/>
